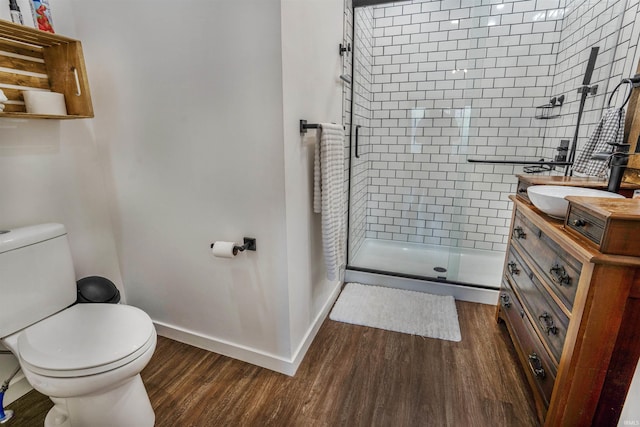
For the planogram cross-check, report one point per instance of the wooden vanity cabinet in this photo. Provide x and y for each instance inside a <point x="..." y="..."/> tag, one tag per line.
<point x="573" y="314"/>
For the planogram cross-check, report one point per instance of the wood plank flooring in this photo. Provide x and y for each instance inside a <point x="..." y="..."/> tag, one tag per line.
<point x="351" y="376"/>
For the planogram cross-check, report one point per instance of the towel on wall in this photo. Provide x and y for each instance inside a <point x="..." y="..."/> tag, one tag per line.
<point x="328" y="196"/>
<point x="610" y="130"/>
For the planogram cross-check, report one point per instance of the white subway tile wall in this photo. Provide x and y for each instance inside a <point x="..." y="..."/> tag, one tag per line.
<point x="438" y="82"/>
<point x="453" y="80"/>
<point x="609" y="26"/>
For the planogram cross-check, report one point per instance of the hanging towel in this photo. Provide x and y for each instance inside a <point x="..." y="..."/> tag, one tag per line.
<point x="610" y="130"/>
<point x="328" y="197"/>
<point x="3" y="99"/>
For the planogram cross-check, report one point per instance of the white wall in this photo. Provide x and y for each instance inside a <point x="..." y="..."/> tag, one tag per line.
<point x="188" y="102"/>
<point x="50" y="171"/>
<point x="312" y="90"/>
<point x="190" y="123"/>
<point x="188" y="146"/>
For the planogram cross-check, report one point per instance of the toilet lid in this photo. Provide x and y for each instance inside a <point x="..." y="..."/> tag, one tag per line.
<point x="85" y="337"/>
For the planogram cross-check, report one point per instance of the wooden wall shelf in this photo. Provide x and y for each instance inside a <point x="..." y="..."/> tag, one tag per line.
<point x="31" y="59"/>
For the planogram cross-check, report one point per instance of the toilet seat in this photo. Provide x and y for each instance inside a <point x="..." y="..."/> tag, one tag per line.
<point x="86" y="339"/>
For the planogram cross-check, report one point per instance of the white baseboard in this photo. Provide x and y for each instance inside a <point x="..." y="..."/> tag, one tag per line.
<point x="299" y="354"/>
<point x="248" y="354"/>
<point x="459" y="292"/>
<point x="225" y="348"/>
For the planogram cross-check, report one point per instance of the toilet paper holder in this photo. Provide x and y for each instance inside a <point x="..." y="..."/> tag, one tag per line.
<point x="249" y="245"/>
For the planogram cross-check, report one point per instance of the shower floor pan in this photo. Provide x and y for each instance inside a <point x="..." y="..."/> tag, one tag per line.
<point x="461" y="265"/>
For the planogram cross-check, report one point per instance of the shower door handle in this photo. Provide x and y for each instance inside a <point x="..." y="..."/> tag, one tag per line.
<point x="357" y="135"/>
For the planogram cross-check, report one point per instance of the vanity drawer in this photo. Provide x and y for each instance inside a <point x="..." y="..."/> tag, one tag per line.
<point x="559" y="269"/>
<point x="539" y="368"/>
<point x="585" y="224"/>
<point x="610" y="225"/>
<point x="550" y="321"/>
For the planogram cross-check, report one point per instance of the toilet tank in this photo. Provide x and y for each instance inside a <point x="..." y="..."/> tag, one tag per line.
<point x="36" y="275"/>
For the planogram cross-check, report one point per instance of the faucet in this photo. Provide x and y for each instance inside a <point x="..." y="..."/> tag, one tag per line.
<point x="617" y="162"/>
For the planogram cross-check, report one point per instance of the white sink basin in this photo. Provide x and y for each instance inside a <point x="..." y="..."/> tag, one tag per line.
<point x="550" y="198"/>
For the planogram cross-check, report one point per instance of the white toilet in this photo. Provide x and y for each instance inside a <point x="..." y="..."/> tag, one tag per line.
<point x="87" y="357"/>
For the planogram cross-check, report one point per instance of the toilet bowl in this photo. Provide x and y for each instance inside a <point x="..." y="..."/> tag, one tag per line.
<point x="87" y="357"/>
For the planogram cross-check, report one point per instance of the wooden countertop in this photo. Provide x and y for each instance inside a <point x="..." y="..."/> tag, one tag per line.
<point x="628" y="209"/>
<point x="575" y="181"/>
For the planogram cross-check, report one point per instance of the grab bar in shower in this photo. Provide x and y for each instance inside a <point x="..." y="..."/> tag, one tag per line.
<point x="521" y="162"/>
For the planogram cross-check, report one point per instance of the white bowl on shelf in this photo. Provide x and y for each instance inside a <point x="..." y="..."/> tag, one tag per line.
<point x="550" y="199"/>
<point x="44" y="102"/>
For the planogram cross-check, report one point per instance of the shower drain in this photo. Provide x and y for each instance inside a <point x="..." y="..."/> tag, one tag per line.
<point x="440" y="269"/>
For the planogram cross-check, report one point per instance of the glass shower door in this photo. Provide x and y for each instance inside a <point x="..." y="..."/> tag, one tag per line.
<point x="401" y="205"/>
<point x="437" y="83"/>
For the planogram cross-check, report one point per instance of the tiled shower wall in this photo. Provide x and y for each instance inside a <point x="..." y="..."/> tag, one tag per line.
<point x="610" y="26"/>
<point x="454" y="80"/>
<point x="420" y="187"/>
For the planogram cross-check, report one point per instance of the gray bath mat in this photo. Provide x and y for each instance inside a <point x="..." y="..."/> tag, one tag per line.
<point x="398" y="310"/>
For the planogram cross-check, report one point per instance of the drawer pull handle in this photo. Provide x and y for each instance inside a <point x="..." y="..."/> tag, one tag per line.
<point x="505" y="300"/>
<point x="519" y="233"/>
<point x="536" y="365"/>
<point x="579" y="223"/>
<point x="547" y="323"/>
<point x="559" y="275"/>
<point x="513" y="268"/>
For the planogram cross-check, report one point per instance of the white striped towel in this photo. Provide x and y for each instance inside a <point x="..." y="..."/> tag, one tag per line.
<point x="328" y="197"/>
<point x="610" y="130"/>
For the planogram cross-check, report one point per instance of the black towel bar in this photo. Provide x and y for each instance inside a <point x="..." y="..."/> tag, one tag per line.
<point x="633" y="82"/>
<point x="304" y="126"/>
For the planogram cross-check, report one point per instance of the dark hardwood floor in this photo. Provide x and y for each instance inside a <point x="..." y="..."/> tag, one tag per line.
<point x="351" y="376"/>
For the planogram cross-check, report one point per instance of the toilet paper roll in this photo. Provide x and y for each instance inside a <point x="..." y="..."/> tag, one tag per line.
<point x="224" y="249"/>
<point x="43" y="102"/>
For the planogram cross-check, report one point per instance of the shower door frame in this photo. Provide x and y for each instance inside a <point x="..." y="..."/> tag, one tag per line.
<point x="395" y="274"/>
